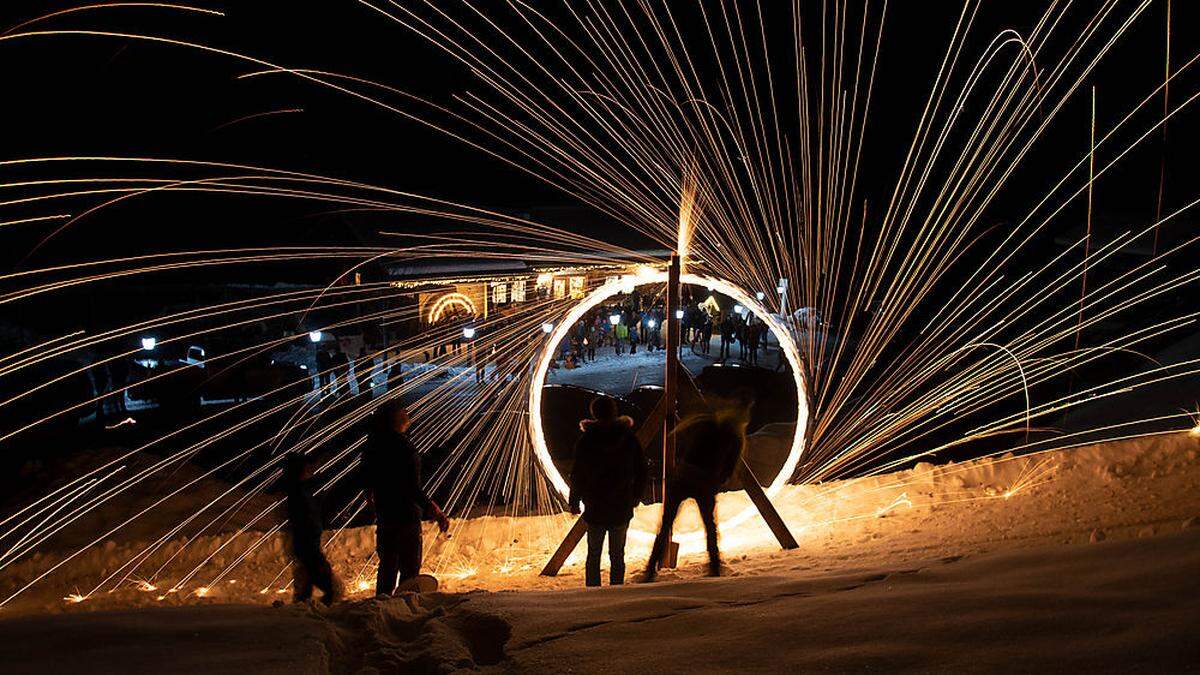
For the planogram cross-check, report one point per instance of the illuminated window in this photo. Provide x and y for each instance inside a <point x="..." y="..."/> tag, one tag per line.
<point x="544" y="280"/>
<point x="499" y="293"/>
<point x="560" y="289"/>
<point x="577" y="284"/>
<point x="518" y="291"/>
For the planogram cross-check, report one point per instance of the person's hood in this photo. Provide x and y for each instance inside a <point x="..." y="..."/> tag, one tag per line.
<point x="616" y="423"/>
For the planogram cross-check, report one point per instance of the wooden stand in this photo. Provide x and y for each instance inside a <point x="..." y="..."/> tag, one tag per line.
<point x="662" y="420"/>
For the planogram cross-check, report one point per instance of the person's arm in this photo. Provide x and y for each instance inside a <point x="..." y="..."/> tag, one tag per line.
<point x="428" y="507"/>
<point x="577" y="476"/>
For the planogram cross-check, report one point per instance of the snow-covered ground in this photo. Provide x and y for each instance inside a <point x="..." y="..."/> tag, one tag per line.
<point x="1077" y="559"/>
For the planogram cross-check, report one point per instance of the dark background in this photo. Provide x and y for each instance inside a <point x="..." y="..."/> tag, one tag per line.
<point x="78" y="95"/>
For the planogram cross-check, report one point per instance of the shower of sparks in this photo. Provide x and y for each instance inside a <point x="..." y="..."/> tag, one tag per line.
<point x="751" y="171"/>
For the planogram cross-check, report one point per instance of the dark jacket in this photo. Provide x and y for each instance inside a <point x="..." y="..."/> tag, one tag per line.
<point x="391" y="473"/>
<point x="609" y="474"/>
<point x="708" y="454"/>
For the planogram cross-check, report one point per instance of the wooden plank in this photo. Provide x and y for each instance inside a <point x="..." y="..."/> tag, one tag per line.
<point x="574" y="536"/>
<point x="766" y="509"/>
<point x="652" y="426"/>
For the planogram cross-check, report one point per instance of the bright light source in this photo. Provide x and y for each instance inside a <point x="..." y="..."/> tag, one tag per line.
<point x="547" y="327"/>
<point x="303" y="367"/>
<point x="739" y="309"/>
<point x="780" y="289"/>
<point x="760" y="295"/>
<point x="149" y="343"/>
<point x="650" y="323"/>
<point x="315" y="336"/>
<point x="469" y="332"/>
<point x="679" y="314"/>
<point x="614" y="319"/>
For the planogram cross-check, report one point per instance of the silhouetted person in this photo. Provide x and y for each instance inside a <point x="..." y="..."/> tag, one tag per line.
<point x="754" y="332"/>
<point x="324" y="370"/>
<point x="391" y="470"/>
<point x="709" y="448"/>
<point x="341" y="370"/>
<point x="728" y="332"/>
<point x="609" y="476"/>
<point x="706" y="332"/>
<point x="365" y="372"/>
<point x="310" y="568"/>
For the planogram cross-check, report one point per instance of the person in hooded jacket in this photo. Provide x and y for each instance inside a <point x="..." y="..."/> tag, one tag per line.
<point x="608" y="477"/>
<point x="310" y="567"/>
<point x="391" y="478"/>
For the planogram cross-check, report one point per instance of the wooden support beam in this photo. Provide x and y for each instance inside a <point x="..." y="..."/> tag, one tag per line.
<point x="574" y="536"/>
<point x="766" y="509"/>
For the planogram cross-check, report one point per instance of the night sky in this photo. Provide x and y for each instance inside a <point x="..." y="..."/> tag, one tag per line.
<point x="80" y="95"/>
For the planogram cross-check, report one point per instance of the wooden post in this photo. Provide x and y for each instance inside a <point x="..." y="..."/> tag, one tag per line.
<point x="671" y="396"/>
<point x="574" y="536"/>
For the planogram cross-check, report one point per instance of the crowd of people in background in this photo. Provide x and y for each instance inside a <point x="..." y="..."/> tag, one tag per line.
<point x="625" y="329"/>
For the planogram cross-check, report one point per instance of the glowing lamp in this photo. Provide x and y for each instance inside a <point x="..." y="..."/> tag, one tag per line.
<point x="760" y="295"/>
<point x="469" y="332"/>
<point x="547" y="328"/>
<point x="149" y="343"/>
<point x="315" y="336"/>
<point x="650" y="323"/>
<point x="679" y="314"/>
<point x="739" y="309"/>
<point x="614" y="319"/>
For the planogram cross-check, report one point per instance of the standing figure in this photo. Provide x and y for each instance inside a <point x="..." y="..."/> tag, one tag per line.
<point x="753" y="335"/>
<point x="364" y="368"/>
<point x="608" y="477"/>
<point x="706" y="332"/>
<point x="709" y="447"/>
<point x="324" y="370"/>
<point x="728" y="331"/>
<point x="310" y="567"/>
<point x="391" y="470"/>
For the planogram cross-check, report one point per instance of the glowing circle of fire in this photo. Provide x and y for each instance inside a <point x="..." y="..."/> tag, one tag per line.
<point x="447" y="301"/>
<point x="623" y="285"/>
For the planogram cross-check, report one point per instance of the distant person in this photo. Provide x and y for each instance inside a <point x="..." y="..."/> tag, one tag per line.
<point x="706" y="332"/>
<point x="709" y="448"/>
<point x="310" y="567"/>
<point x="365" y="375"/>
<point x="753" y="336"/>
<point x="728" y="330"/>
<point x="608" y="477"/>
<point x="391" y="470"/>
<point x="341" y="369"/>
<point x="324" y="370"/>
<point x="394" y="370"/>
